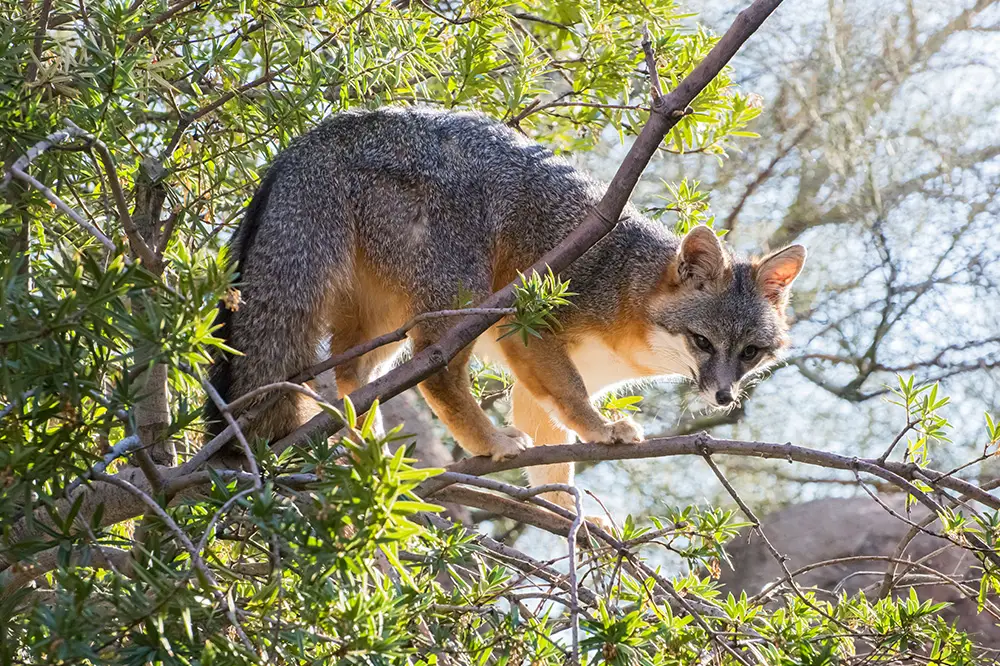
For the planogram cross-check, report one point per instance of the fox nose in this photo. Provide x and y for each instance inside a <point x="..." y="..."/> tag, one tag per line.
<point x="723" y="397"/>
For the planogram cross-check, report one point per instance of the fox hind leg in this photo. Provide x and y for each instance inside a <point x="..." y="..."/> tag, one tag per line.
<point x="531" y="416"/>
<point x="347" y="331"/>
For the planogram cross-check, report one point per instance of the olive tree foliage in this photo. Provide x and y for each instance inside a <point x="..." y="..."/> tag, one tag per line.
<point x="133" y="135"/>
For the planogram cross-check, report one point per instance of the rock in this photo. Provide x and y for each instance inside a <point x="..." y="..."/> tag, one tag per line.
<point x="834" y="528"/>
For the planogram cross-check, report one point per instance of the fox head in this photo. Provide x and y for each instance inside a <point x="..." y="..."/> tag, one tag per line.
<point x="720" y="318"/>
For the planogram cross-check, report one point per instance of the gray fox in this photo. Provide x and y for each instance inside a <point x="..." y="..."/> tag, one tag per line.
<point x="375" y="216"/>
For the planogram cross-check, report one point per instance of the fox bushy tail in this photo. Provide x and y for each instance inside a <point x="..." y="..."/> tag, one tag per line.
<point x="221" y="374"/>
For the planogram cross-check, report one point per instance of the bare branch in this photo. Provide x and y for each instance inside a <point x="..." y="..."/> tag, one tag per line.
<point x="17" y="171"/>
<point x="31" y="72"/>
<point x="250" y="396"/>
<point x="165" y="16"/>
<point x="100" y="557"/>
<point x="224" y="409"/>
<point x="651" y="70"/>
<point x="641" y="570"/>
<point x="896" y="473"/>
<point x="765" y="173"/>
<point x="395" y="336"/>
<point x="531" y="494"/>
<point x="122" y="448"/>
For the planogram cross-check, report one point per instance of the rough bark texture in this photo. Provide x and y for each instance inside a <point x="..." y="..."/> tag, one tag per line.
<point x="152" y="413"/>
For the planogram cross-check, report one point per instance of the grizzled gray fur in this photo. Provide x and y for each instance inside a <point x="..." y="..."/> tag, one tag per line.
<point x="375" y="216"/>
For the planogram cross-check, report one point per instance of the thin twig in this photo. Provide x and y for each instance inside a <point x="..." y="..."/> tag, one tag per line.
<point x="748" y="512"/>
<point x="18" y="170"/>
<point x="268" y="76"/>
<point x="599" y="533"/>
<point x="975" y="543"/>
<point x="62" y="206"/>
<point x="185" y="542"/>
<point x="140" y="247"/>
<point x="530" y="494"/>
<point x="250" y="396"/>
<point x="224" y="409"/>
<point x="454" y="21"/>
<point x="222" y="510"/>
<point x="654" y="75"/>
<point x="782" y="560"/>
<point x="15" y="403"/>
<point x="165" y="16"/>
<point x="124" y="446"/>
<point x="394" y="336"/>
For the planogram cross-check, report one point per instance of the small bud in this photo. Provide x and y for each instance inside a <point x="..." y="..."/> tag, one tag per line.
<point x="232" y="299"/>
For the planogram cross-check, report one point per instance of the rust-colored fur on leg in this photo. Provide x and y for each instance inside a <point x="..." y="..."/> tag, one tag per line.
<point x="449" y="394"/>
<point x="370" y="309"/>
<point x="548" y="380"/>
<point x="546" y="370"/>
<point x="532" y="417"/>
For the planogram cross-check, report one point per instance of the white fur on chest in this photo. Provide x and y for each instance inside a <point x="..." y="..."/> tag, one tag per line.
<point x="603" y="367"/>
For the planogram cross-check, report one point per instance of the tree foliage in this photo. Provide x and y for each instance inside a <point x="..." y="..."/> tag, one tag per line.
<point x="133" y="136"/>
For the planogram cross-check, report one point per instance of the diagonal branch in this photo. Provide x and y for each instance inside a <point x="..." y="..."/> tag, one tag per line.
<point x="17" y="171"/>
<point x="595" y="226"/>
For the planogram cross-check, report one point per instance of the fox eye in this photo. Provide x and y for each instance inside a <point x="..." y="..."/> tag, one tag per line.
<point x="703" y="343"/>
<point x="749" y="353"/>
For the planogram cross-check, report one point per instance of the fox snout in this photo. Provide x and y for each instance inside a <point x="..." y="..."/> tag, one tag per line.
<point x="719" y="380"/>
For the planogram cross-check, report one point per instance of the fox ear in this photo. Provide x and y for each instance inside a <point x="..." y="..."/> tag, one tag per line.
<point x="701" y="257"/>
<point x="776" y="272"/>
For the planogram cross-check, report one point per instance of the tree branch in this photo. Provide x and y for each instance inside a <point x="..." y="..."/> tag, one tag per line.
<point x="139" y="246"/>
<point x="31" y="72"/>
<point x="896" y="473"/>
<point x="17" y="170"/>
<point x="597" y="224"/>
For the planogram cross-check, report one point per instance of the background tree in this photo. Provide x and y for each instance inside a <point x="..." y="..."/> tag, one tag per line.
<point x="134" y="134"/>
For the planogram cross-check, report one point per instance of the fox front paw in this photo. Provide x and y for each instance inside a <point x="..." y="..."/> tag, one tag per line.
<point x="625" y="431"/>
<point x="508" y="442"/>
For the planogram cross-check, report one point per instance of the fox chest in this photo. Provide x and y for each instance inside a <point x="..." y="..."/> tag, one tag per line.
<point x="600" y="366"/>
